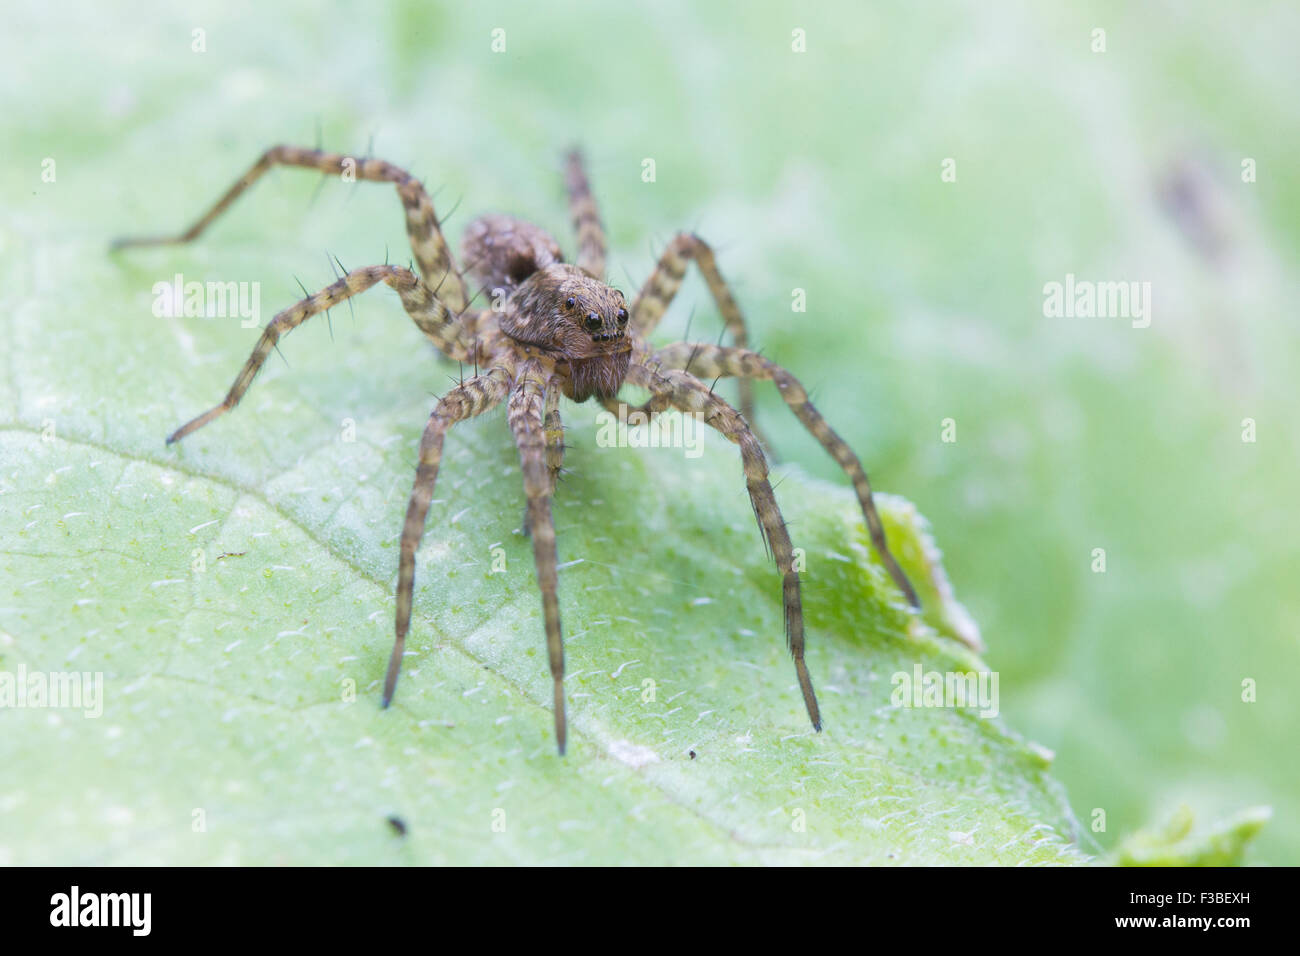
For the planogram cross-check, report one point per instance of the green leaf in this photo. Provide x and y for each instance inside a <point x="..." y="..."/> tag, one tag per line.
<point x="1179" y="843"/>
<point x="236" y="594"/>
<point x="817" y="171"/>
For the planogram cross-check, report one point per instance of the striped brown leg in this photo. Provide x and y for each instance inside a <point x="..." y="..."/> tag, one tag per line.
<point x="527" y="404"/>
<point x="586" y="217"/>
<point x="663" y="285"/>
<point x="712" y="361"/>
<point x="431" y="252"/>
<point x="554" y="429"/>
<point x="476" y="396"/>
<point x="680" y="390"/>
<point x="418" y="299"/>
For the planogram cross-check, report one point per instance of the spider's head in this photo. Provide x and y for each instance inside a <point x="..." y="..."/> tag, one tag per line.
<point x="579" y="320"/>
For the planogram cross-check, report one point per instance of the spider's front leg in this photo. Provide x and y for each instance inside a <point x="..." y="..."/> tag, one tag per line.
<point x="713" y="361"/>
<point x="553" y="430"/>
<point x="658" y="292"/>
<point x="682" y="391"/>
<point x="525" y="411"/>
<point x="427" y="243"/>
<point x="418" y="299"/>
<point x="475" y="397"/>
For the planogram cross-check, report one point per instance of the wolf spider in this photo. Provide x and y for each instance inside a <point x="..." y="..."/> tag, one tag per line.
<point x="557" y="329"/>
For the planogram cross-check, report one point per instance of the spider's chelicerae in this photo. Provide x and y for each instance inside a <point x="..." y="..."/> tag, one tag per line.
<point x="557" y="330"/>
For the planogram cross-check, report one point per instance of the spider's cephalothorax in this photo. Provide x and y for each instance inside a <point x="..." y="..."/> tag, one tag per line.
<point x="568" y="318"/>
<point x="577" y="322"/>
<point x="551" y="330"/>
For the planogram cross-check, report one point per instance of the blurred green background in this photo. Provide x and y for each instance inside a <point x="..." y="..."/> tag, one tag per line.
<point x="821" y="170"/>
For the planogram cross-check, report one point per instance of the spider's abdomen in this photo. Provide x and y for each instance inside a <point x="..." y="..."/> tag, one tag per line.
<point x="500" y="252"/>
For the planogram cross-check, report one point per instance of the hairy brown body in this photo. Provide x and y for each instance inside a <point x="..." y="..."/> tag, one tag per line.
<point x="551" y="329"/>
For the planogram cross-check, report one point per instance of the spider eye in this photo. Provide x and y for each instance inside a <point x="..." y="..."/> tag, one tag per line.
<point x="570" y="302"/>
<point x="622" y="316"/>
<point x="592" y="322"/>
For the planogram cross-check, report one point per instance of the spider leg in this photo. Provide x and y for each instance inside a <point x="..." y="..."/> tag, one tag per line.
<point x="427" y="243"/>
<point x="525" y="412"/>
<point x="586" y="217"/>
<point x="712" y="361"/>
<point x="478" y="395"/>
<point x="430" y="315"/>
<point x="658" y="292"/>
<point x="553" y="429"/>
<point x="683" y="391"/>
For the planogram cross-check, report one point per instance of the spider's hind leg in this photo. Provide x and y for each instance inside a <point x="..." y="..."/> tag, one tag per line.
<point x="586" y="217"/>
<point x="422" y="226"/>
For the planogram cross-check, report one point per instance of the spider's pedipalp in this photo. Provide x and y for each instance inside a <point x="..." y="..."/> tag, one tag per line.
<point x="527" y="422"/>
<point x="585" y="215"/>
<point x="659" y="290"/>
<point x="711" y="360"/>
<point x="478" y="395"/>
<point x="430" y="248"/>
<point x="425" y="310"/>
<point x="554" y="430"/>
<point x="680" y="390"/>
